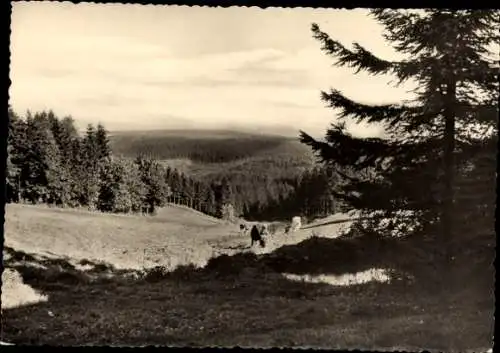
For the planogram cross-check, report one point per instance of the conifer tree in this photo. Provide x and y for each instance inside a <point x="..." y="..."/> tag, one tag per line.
<point x="109" y="186"/>
<point x="65" y="132"/>
<point x="187" y="189"/>
<point x="78" y="173"/>
<point x="223" y="196"/>
<point x="102" y="142"/>
<point x="175" y="184"/>
<point x="198" y="192"/>
<point x="428" y="139"/>
<point x="226" y="192"/>
<point x="90" y="164"/>
<point x="16" y="150"/>
<point x="41" y="173"/>
<point x="12" y="178"/>
<point x="211" y="200"/>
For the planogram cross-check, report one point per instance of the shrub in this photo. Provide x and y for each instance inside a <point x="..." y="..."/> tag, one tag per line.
<point x="155" y="274"/>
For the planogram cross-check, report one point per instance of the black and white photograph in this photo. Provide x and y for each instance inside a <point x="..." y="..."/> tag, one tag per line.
<point x="202" y="176"/>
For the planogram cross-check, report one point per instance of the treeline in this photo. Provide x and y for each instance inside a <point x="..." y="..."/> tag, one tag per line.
<point x="262" y="197"/>
<point x="50" y="162"/>
<point x="310" y="195"/>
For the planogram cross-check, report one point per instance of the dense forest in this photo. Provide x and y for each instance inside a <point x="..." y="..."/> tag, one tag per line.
<point x="50" y="162"/>
<point x="194" y="145"/>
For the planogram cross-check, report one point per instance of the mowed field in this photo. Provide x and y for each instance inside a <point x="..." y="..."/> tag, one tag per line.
<point x="76" y="277"/>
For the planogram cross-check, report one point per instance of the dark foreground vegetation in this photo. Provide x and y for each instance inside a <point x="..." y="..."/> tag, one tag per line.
<point x="245" y="300"/>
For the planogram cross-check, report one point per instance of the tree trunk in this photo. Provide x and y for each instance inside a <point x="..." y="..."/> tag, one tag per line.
<point x="449" y="169"/>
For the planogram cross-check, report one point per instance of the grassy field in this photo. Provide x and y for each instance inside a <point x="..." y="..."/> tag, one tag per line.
<point x="216" y="291"/>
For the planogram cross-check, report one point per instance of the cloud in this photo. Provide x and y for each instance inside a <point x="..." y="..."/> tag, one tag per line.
<point x="169" y="66"/>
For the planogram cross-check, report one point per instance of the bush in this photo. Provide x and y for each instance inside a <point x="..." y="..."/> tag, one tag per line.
<point x="156" y="274"/>
<point x="226" y="265"/>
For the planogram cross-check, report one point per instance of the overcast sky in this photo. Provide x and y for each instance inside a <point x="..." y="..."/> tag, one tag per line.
<point x="142" y="67"/>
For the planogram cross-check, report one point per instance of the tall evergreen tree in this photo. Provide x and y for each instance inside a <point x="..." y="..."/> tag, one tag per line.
<point x="428" y="139"/>
<point x="102" y="142"/>
<point x="65" y="133"/>
<point x="78" y="173"/>
<point x="210" y="200"/>
<point x="90" y="164"/>
<point x="175" y="183"/>
<point x="198" y="191"/>
<point x="42" y="177"/>
<point x="187" y="189"/>
<point x="226" y="192"/>
<point x="16" y="151"/>
<point x="109" y="186"/>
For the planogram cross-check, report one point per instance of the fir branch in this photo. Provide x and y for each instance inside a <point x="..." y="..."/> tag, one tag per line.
<point x="390" y="113"/>
<point x="359" y="58"/>
<point x="342" y="149"/>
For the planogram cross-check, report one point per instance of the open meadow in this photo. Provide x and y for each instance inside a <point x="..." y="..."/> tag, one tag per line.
<point x="182" y="278"/>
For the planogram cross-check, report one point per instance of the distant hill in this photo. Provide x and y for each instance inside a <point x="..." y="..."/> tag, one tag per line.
<point x="207" y="153"/>
<point x="260" y="168"/>
<point x="207" y="146"/>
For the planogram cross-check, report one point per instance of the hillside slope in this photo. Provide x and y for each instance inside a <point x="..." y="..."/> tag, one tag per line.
<point x="206" y="153"/>
<point x="260" y="168"/>
<point x="243" y="299"/>
<point x="175" y="236"/>
<point x="197" y="145"/>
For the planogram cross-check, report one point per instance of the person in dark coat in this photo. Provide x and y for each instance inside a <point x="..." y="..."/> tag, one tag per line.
<point x="256" y="237"/>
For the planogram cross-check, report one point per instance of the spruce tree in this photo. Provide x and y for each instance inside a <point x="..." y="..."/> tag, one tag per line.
<point x="16" y="151"/>
<point x="109" y="185"/>
<point x="90" y="164"/>
<point x="65" y="132"/>
<point x="78" y="173"/>
<point x="187" y="190"/>
<point x="427" y="140"/>
<point x="226" y="192"/>
<point x="198" y="194"/>
<point x="68" y="142"/>
<point x="102" y="142"/>
<point x="175" y="184"/>
<point x="43" y="179"/>
<point x="211" y="200"/>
